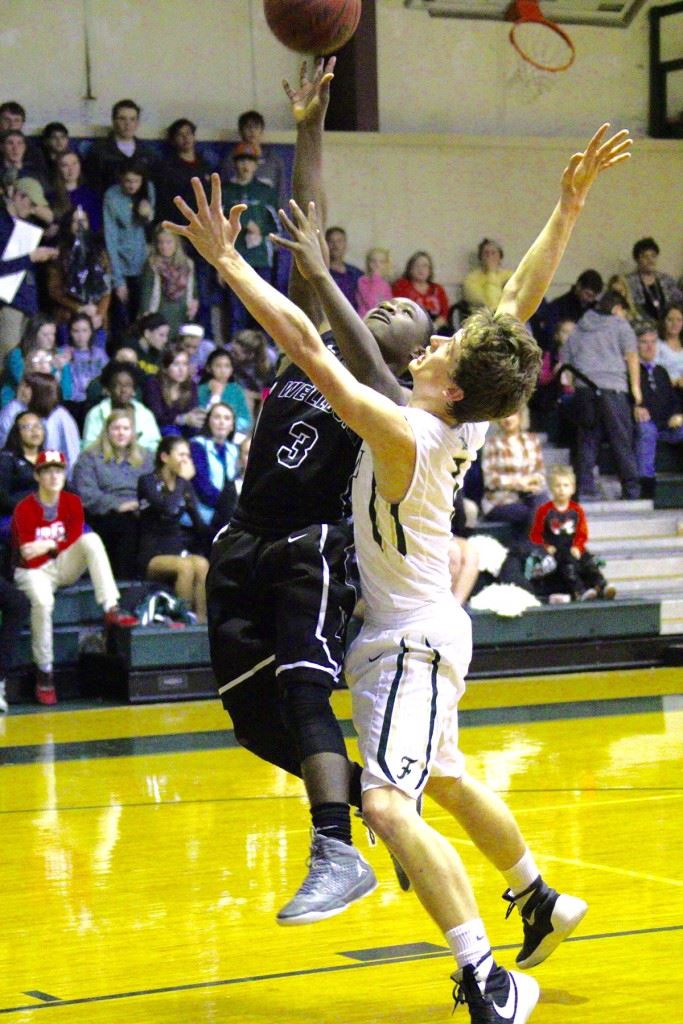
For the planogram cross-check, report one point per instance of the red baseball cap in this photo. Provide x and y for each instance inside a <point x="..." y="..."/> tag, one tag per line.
<point x="246" y="149"/>
<point x="51" y="457"/>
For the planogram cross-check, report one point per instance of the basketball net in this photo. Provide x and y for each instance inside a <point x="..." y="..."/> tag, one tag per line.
<point x="542" y="48"/>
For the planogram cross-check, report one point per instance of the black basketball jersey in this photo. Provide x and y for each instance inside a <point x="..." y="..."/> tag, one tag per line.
<point x="300" y="461"/>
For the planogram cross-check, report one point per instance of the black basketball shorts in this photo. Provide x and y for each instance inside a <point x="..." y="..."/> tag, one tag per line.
<point x="279" y="608"/>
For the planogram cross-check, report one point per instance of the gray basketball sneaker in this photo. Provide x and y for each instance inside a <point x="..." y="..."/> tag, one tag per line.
<point x="337" y="877"/>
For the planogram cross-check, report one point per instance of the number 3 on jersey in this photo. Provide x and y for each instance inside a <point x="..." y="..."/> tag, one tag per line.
<point x="304" y="439"/>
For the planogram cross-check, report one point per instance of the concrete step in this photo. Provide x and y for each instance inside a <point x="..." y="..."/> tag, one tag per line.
<point x="617" y="527"/>
<point x="605" y="509"/>
<point x="650" y="587"/>
<point x="665" y="567"/>
<point x="626" y="546"/>
<point x="672" y="617"/>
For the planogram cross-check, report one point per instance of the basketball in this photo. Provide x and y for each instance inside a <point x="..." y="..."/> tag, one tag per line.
<point x="313" y="26"/>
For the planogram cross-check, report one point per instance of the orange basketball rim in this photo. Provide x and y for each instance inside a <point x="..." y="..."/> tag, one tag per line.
<point x="541" y="42"/>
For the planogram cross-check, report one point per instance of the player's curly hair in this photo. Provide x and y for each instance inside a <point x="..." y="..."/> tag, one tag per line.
<point x="497" y="367"/>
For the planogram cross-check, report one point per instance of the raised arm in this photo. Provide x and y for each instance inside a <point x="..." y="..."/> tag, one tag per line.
<point x="524" y="291"/>
<point x="357" y="345"/>
<point x="309" y="105"/>
<point x="376" y="419"/>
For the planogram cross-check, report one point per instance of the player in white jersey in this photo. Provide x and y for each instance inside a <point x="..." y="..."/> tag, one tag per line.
<point x="486" y="371"/>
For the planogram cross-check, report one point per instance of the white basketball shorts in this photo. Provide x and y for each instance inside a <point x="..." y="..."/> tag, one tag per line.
<point x="405" y="687"/>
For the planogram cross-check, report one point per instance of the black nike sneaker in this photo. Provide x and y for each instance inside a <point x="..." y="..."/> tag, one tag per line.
<point x="503" y="998"/>
<point x="548" y="917"/>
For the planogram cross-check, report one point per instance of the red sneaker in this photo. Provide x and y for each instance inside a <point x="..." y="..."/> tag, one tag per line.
<point x="45" y="689"/>
<point x="115" y="617"/>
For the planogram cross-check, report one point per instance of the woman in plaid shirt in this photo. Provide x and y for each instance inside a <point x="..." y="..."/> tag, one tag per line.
<point x="514" y="476"/>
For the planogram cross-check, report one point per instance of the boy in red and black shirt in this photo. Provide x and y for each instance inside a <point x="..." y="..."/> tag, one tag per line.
<point x="52" y="551"/>
<point x="560" y="527"/>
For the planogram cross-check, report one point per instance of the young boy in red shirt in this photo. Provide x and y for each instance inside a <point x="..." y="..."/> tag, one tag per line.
<point x="560" y="527"/>
<point x="53" y="551"/>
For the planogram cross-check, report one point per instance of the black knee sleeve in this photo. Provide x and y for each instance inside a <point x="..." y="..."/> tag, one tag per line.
<point x="260" y="728"/>
<point x="311" y="720"/>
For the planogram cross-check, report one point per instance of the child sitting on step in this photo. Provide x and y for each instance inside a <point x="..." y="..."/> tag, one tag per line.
<point x="560" y="527"/>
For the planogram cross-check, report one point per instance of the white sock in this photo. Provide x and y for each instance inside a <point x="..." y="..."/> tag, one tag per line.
<point x="469" y="942"/>
<point x="520" y="876"/>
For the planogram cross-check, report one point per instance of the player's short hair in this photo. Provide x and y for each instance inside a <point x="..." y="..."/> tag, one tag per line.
<point x="560" y="471"/>
<point x="497" y="367"/>
<point x="644" y="245"/>
<point x="248" y="116"/>
<point x="124" y="105"/>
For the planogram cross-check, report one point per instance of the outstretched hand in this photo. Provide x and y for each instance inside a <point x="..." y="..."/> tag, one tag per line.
<point x="309" y="102"/>
<point x="305" y="242"/>
<point x="583" y="168"/>
<point x="211" y="233"/>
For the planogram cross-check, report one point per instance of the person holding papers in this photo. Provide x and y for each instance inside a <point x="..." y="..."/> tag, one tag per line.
<point x="19" y="250"/>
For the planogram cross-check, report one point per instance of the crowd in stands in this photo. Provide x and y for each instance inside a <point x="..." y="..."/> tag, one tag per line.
<point x="130" y="380"/>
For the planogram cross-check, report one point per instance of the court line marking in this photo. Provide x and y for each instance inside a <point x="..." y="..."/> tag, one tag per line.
<point x="212" y="739"/>
<point x="665" y="793"/>
<point x="310" y="971"/>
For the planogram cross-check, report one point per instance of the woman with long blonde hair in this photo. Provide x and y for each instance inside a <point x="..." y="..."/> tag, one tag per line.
<point x="106" y="478"/>
<point x="169" y="284"/>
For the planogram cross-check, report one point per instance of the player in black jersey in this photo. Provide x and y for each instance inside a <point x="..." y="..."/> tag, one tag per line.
<point x="278" y="595"/>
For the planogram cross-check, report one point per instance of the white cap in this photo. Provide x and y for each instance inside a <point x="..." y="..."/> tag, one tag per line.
<point x="192" y="330"/>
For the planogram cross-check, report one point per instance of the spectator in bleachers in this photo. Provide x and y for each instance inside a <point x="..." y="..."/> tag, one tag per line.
<point x="171" y="528"/>
<point x="484" y="285"/>
<point x="373" y="287"/>
<point x="253" y="362"/>
<point x="39" y="334"/>
<point x="218" y="386"/>
<point x="17" y="161"/>
<point x="652" y="289"/>
<point x="178" y="167"/>
<point x="106" y="478"/>
<point x="270" y="168"/>
<point x="618" y="283"/>
<point x="53" y="551"/>
<point x="172" y="395"/>
<point x="660" y="416"/>
<point x="514" y="476"/>
<point x="128" y="212"/>
<point x="346" y="275"/>
<point x="85" y="362"/>
<point x="603" y="348"/>
<point x="106" y="157"/>
<point x="69" y="191"/>
<point x="14" y="609"/>
<point x="13" y="118"/>
<point x="25" y="441"/>
<point x="670" y="348"/>
<point x="419" y="285"/>
<point x="120" y="352"/>
<point x="259" y="220"/>
<point x="169" y="285"/>
<point x="119" y="381"/>
<point x="216" y="460"/>
<point x="54" y="141"/>
<point x="24" y="302"/>
<point x="39" y="211"/>
<point x="581" y="297"/>
<point x="150" y="337"/>
<point x="39" y="392"/>
<point x="191" y="339"/>
<point x="561" y="529"/>
<point x="79" y="280"/>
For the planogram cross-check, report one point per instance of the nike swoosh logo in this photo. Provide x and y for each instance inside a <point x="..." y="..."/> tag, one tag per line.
<point x="508" y="1010"/>
<point x="299" y="536"/>
<point x="377" y="657"/>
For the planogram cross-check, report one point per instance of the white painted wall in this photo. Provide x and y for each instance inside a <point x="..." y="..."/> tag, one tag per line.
<point x="490" y="165"/>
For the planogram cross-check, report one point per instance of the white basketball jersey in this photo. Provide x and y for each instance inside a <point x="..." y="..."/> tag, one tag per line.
<point x="402" y="548"/>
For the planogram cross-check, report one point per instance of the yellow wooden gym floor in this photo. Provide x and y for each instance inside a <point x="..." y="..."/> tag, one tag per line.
<point x="143" y="858"/>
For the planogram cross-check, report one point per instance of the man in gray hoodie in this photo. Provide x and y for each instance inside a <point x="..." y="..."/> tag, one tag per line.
<point x="604" y="349"/>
